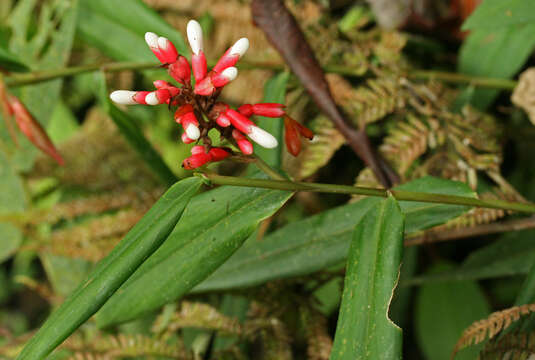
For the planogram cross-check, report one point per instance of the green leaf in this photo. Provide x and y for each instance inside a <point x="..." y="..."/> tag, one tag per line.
<point x="48" y="48"/>
<point x="299" y="248"/>
<point x="213" y="227"/>
<point x="443" y="311"/>
<point x="10" y="238"/>
<point x="419" y="215"/>
<point x="274" y="92"/>
<point x="10" y="62"/>
<point x="120" y="34"/>
<point x="138" y="244"/>
<point x="132" y="133"/>
<point x="364" y="329"/>
<point x="138" y="18"/>
<point x="322" y="240"/>
<point x="112" y="39"/>
<point x="498" y="13"/>
<point x="495" y="53"/>
<point x="512" y="255"/>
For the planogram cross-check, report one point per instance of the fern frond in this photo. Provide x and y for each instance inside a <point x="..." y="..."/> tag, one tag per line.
<point x="121" y="346"/>
<point x="105" y="202"/>
<point x="489" y="327"/>
<point x="89" y="356"/>
<point x="94" y="239"/>
<point x="316" y="153"/>
<point x="105" y="156"/>
<point x="510" y="346"/>
<point x="198" y="315"/>
<point x="370" y="102"/>
<point x="406" y="142"/>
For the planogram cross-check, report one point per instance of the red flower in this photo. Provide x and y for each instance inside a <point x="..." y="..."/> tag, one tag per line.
<point x="197" y="108"/>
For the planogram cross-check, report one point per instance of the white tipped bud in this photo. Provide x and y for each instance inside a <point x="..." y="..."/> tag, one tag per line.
<point x="151" y="98"/>
<point x="151" y="39"/>
<point x="163" y="43"/>
<point x="240" y="47"/>
<point x="125" y="97"/>
<point x="192" y="132"/>
<point x="194" y="32"/>
<point x="230" y="73"/>
<point x="262" y="137"/>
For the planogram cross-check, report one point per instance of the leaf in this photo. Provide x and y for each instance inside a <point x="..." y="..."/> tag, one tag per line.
<point x="112" y="39"/>
<point x="419" y="215"/>
<point x="138" y="244"/>
<point x="498" y="13"/>
<point x="137" y="17"/>
<point x="274" y="92"/>
<point x="132" y="133"/>
<point x="214" y="226"/>
<point x="495" y="53"/>
<point x="10" y="62"/>
<point x="10" y="238"/>
<point x="322" y="240"/>
<point x="364" y="329"/>
<point x="512" y="255"/>
<point x="443" y="311"/>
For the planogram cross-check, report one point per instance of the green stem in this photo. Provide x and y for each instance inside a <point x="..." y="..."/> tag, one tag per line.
<point x="357" y="190"/>
<point x="46" y="75"/>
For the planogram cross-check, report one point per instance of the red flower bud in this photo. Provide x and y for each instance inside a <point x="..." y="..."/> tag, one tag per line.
<point x="180" y="70"/>
<point x="33" y="130"/>
<point x="194" y="161"/>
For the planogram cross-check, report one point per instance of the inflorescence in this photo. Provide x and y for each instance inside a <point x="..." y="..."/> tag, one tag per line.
<point x="197" y="108"/>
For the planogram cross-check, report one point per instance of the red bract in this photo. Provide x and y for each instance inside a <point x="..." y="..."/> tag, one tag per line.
<point x="292" y="135"/>
<point x="197" y="108"/>
<point x="32" y="129"/>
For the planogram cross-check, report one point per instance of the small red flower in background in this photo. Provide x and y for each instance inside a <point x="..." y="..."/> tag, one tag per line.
<point x="28" y="125"/>
<point x="198" y="110"/>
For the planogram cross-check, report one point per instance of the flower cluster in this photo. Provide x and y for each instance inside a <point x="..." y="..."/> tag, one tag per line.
<point x="197" y="108"/>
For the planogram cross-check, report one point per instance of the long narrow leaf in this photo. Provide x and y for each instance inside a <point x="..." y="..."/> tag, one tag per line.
<point x="214" y="226"/>
<point x="364" y="329"/>
<point x="322" y="240"/>
<point x="140" y="242"/>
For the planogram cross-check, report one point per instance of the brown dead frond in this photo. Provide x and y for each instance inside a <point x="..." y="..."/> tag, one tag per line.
<point x="491" y="326"/>
<point x="510" y="346"/>
<point x="122" y="346"/>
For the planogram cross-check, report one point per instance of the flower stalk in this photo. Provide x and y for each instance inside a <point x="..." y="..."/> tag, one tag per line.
<point x="359" y="190"/>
